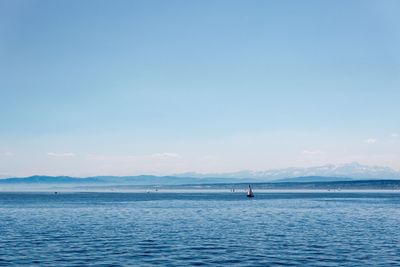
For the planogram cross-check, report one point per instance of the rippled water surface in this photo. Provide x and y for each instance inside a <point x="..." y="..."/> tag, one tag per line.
<point x="181" y="229"/>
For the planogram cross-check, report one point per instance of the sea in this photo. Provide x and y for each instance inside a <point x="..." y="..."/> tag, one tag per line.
<point x="200" y="229"/>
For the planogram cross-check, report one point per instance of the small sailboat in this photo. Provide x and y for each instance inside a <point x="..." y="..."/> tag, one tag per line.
<point x="250" y="192"/>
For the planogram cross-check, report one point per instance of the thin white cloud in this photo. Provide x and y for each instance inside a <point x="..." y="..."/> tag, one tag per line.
<point x="370" y="141"/>
<point x="395" y="135"/>
<point x="165" y="155"/>
<point x="311" y="152"/>
<point x="68" y="154"/>
<point x="7" y="154"/>
<point x="156" y="156"/>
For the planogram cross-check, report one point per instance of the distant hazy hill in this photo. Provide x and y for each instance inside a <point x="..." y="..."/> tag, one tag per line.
<point x="46" y="180"/>
<point x="152" y="180"/>
<point x="119" y="180"/>
<point x="326" y="173"/>
<point x="155" y="180"/>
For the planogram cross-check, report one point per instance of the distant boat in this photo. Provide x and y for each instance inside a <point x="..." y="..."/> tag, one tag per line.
<point x="250" y="192"/>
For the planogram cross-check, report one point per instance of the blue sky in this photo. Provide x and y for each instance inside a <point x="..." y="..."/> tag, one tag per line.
<point x="129" y="87"/>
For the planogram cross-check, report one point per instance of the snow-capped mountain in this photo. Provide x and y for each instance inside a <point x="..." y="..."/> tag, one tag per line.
<point x="349" y="170"/>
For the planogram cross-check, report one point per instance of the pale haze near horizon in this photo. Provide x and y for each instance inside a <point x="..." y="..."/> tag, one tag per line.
<point x="162" y="87"/>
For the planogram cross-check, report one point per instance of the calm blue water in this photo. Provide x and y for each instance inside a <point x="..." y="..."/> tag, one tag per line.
<point x="181" y="229"/>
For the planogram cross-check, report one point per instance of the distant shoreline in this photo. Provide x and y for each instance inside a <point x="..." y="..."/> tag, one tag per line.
<point x="189" y="191"/>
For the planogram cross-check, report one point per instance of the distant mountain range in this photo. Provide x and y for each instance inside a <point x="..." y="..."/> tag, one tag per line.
<point x="353" y="170"/>
<point x="312" y="179"/>
<point x="326" y="173"/>
<point x="119" y="180"/>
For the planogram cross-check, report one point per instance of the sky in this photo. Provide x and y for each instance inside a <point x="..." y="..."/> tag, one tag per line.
<point x="163" y="87"/>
